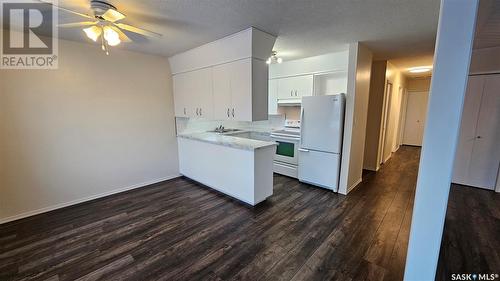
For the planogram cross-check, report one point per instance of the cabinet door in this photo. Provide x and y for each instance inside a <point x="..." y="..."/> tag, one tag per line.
<point x="303" y="86"/>
<point x="222" y="91"/>
<point x="201" y="97"/>
<point x="241" y="90"/>
<point x="295" y="87"/>
<point x="181" y="95"/>
<point x="273" y="96"/>
<point x="286" y="88"/>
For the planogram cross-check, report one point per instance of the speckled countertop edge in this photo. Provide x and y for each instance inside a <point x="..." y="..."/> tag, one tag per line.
<point x="228" y="140"/>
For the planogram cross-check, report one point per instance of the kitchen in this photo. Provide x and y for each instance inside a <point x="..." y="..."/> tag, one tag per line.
<point x="243" y="114"/>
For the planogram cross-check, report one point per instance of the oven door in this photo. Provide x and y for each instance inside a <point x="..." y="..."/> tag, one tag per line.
<point x="286" y="150"/>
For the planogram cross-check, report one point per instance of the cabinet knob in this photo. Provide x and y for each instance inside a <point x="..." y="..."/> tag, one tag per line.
<point x="478" y="137"/>
<point x="233" y="112"/>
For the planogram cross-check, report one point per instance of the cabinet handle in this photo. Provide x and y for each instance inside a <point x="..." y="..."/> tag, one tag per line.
<point x="201" y="113"/>
<point x="228" y="112"/>
<point x="291" y="93"/>
<point x="233" y="112"/>
<point x="197" y="114"/>
<point x="184" y="111"/>
<point x="295" y="92"/>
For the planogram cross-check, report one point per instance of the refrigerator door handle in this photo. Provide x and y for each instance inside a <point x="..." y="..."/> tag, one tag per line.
<point x="303" y="150"/>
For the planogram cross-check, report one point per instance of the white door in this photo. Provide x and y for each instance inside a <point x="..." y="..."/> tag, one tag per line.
<point x="478" y="152"/>
<point x="222" y="91"/>
<point x="416" y="111"/>
<point x="241" y="90"/>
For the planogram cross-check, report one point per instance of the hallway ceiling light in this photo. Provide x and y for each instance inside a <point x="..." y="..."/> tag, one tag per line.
<point x="274" y="58"/>
<point x="420" y="69"/>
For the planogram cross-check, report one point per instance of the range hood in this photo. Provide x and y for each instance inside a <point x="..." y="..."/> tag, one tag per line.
<point x="289" y="102"/>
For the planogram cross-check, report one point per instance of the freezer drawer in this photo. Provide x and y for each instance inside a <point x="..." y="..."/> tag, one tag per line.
<point x="319" y="168"/>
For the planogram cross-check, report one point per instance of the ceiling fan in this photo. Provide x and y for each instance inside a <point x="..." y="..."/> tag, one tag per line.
<point x="105" y="21"/>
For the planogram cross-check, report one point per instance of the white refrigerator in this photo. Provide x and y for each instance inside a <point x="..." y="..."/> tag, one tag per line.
<point x="322" y="122"/>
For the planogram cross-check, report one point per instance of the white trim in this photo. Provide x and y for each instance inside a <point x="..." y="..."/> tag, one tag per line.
<point x="497" y="188"/>
<point x="352" y="186"/>
<point x="81" y="200"/>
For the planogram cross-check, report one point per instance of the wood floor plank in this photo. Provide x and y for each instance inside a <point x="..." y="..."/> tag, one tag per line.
<point x="182" y="230"/>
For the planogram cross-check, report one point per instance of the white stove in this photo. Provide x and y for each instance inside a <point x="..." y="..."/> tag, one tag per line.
<point x="286" y="157"/>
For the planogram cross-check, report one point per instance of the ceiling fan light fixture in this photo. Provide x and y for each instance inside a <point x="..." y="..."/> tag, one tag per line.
<point x="111" y="36"/>
<point x="93" y="32"/>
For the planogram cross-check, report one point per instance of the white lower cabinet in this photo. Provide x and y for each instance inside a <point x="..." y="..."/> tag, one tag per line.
<point x="243" y="174"/>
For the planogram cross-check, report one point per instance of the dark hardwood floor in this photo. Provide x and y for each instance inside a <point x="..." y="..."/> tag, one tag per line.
<point x="471" y="238"/>
<point x="180" y="230"/>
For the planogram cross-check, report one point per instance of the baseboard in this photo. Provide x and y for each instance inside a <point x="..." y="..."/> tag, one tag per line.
<point x="78" y="201"/>
<point x="352" y="186"/>
<point x="372" y="168"/>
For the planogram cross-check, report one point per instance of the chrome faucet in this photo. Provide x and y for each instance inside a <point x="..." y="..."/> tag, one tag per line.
<point x="219" y="129"/>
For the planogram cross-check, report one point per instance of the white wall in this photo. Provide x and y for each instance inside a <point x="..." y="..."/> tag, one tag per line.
<point x="358" y="88"/>
<point x="338" y="61"/>
<point x="451" y="66"/>
<point x="96" y="125"/>
<point x="398" y="81"/>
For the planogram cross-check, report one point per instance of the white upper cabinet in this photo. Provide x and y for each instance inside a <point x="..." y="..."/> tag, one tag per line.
<point x="225" y="79"/>
<point x="222" y="91"/>
<point x="235" y="95"/>
<point x="273" y="96"/>
<point x="295" y="87"/>
<point x="193" y="99"/>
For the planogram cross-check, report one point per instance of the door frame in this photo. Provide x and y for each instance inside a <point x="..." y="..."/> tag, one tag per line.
<point x="403" y="127"/>
<point x="385" y="118"/>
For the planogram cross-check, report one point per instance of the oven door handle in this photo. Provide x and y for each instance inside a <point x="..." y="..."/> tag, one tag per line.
<point x="303" y="150"/>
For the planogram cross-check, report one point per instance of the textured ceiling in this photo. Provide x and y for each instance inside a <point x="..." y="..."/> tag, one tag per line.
<point x="390" y="28"/>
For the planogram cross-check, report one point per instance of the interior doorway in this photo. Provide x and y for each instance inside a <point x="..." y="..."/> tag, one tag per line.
<point x="414" y="121"/>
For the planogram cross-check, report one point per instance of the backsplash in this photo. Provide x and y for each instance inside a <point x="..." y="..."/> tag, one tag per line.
<point x="187" y="125"/>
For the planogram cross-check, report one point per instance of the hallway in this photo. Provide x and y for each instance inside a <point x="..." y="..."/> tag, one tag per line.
<point x="180" y="230"/>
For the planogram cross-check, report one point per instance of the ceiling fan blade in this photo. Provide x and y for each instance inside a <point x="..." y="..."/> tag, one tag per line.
<point x="123" y="36"/>
<point x="77" y="24"/>
<point x="138" y="30"/>
<point x="113" y="15"/>
<point x="68" y="10"/>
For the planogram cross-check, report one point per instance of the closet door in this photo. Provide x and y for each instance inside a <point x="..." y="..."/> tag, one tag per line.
<point x="478" y="152"/>
<point x="485" y="154"/>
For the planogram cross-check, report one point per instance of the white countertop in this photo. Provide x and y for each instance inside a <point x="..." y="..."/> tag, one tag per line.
<point x="228" y="140"/>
